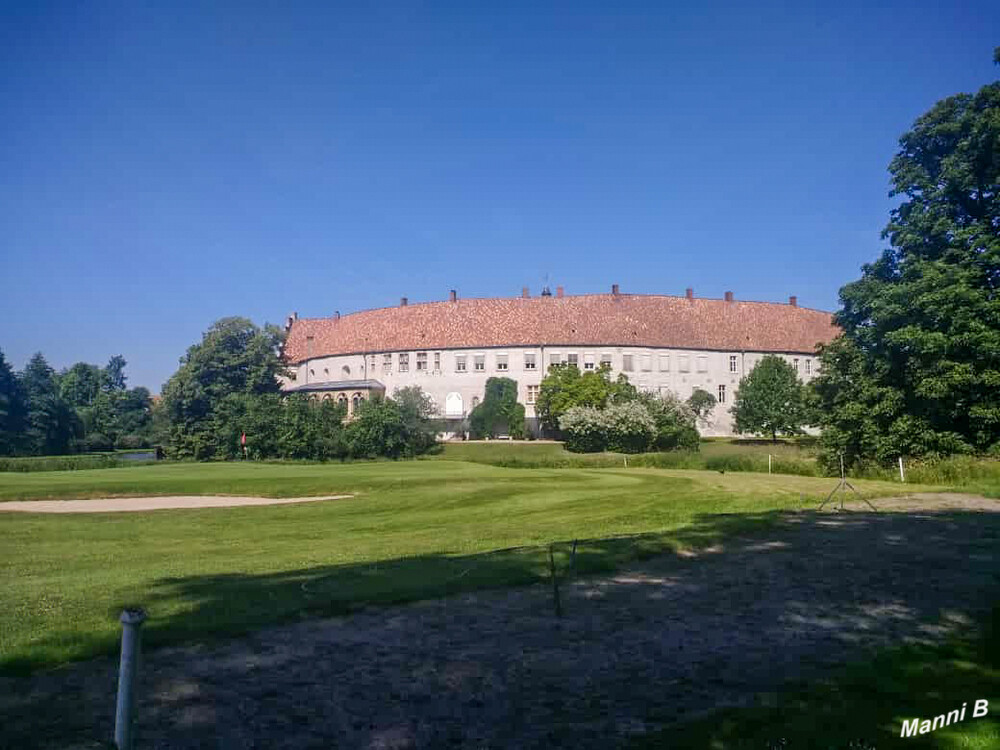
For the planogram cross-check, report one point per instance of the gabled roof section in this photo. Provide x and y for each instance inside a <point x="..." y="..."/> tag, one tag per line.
<point x="594" y="320"/>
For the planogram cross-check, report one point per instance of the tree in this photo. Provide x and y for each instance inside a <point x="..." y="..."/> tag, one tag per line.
<point x="917" y="370"/>
<point x="499" y="413"/>
<point x="233" y="357"/>
<point x="80" y="384"/>
<point x="674" y="420"/>
<point x="113" y="374"/>
<point x="565" y="387"/>
<point x="701" y="402"/>
<point x="770" y="400"/>
<point x="377" y="430"/>
<point x="13" y="410"/>
<point x="51" y="425"/>
<point x="417" y="410"/>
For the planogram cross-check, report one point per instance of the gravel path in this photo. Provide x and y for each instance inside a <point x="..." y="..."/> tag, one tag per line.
<point x="666" y="640"/>
<point x="165" y="502"/>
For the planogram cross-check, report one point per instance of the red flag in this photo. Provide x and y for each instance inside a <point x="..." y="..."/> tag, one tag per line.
<point x="243" y="439"/>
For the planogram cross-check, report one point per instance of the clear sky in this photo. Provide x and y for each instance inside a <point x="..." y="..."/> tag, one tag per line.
<point x="166" y="164"/>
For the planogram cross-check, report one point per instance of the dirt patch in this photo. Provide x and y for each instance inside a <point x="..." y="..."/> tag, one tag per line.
<point x="166" y="502"/>
<point x="660" y="642"/>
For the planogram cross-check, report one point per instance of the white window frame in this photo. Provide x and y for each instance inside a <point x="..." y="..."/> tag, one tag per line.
<point x="530" y="361"/>
<point x="461" y="363"/>
<point x="733" y="363"/>
<point x="503" y="364"/>
<point x="422" y="360"/>
<point x="387" y="362"/>
<point x="664" y="363"/>
<point x="479" y="363"/>
<point x="702" y="363"/>
<point x="588" y="361"/>
<point x="684" y="363"/>
<point x="721" y="394"/>
<point x="531" y="395"/>
<point x="628" y="363"/>
<point x="404" y="362"/>
<point x="646" y="362"/>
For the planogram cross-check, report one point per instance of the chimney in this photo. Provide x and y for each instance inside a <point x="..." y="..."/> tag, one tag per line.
<point x="295" y="316"/>
<point x="524" y="292"/>
<point x="453" y="296"/>
<point x="729" y="296"/>
<point x="336" y="314"/>
<point x="559" y="291"/>
<point x="546" y="292"/>
<point x="403" y="301"/>
<point x="689" y="293"/>
<point x="614" y="289"/>
<point x="793" y="301"/>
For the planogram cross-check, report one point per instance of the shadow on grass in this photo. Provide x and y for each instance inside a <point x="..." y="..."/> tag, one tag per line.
<point x="717" y="612"/>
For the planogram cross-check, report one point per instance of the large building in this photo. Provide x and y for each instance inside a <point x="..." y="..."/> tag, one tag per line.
<point x="451" y="348"/>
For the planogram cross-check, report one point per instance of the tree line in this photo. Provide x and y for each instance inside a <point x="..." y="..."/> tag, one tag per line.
<point x="82" y="408"/>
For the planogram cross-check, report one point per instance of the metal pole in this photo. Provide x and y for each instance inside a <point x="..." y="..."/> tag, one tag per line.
<point x="131" y="620"/>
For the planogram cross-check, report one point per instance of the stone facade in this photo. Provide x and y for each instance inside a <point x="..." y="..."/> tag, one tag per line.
<point x="319" y="357"/>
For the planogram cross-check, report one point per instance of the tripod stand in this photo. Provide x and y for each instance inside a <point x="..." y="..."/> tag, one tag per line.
<point x="844" y="485"/>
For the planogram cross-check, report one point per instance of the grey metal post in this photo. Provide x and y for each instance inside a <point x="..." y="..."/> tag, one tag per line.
<point x="131" y="620"/>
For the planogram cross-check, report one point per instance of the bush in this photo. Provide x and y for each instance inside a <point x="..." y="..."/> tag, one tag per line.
<point x="67" y="463"/>
<point x="585" y="429"/>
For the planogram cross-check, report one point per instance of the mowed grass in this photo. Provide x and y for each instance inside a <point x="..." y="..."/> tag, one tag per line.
<point x="415" y="529"/>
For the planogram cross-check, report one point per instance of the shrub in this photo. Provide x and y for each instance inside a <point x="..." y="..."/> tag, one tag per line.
<point x="585" y="429"/>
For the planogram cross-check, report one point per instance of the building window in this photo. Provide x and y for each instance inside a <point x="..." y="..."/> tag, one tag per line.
<point x="722" y="394"/>
<point x="664" y="363"/>
<point x="529" y="361"/>
<point x="732" y="363"/>
<point x="684" y="363"/>
<point x="459" y="363"/>
<point x="809" y="367"/>
<point x="346" y="371"/>
<point x="404" y="362"/>
<point x="421" y="361"/>
<point x="588" y="361"/>
<point x="647" y="362"/>
<point x="342" y="400"/>
<point x="573" y="359"/>
<point x="554" y="358"/>
<point x="532" y="394"/>
<point x="795" y="364"/>
<point x="627" y="362"/>
<point x="606" y="360"/>
<point x="437" y="361"/>
<point x="702" y="364"/>
<point x="502" y="362"/>
<point x="479" y="362"/>
<point x="387" y="362"/>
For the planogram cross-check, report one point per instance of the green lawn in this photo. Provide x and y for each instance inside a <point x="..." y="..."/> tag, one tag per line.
<point x="416" y="529"/>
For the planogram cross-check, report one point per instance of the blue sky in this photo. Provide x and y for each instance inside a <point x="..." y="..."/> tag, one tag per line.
<point x="162" y="167"/>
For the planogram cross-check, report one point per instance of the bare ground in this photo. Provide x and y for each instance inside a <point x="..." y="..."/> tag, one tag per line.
<point x="661" y="642"/>
<point x="160" y="502"/>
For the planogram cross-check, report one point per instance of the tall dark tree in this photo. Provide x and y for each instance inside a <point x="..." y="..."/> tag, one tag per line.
<point x="114" y="374"/>
<point x="917" y="370"/>
<point x="51" y="425"/>
<point x="234" y="357"/>
<point x="13" y="410"/>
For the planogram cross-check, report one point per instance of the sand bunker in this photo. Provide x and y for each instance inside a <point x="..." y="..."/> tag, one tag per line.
<point x="133" y="504"/>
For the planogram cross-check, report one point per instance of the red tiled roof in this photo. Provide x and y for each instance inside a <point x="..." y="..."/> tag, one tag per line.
<point x="597" y="319"/>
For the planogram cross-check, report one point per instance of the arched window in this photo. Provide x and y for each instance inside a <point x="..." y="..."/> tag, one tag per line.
<point x="453" y="405"/>
<point x="356" y="401"/>
<point x="327" y="396"/>
<point x="342" y="400"/>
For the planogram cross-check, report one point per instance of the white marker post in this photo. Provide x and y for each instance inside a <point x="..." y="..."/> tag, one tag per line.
<point x="902" y="477"/>
<point x="131" y="620"/>
<point x="768" y="463"/>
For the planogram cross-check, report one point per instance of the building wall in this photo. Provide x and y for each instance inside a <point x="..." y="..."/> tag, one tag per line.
<point x="455" y="392"/>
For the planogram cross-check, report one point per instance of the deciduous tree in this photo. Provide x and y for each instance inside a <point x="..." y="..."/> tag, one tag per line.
<point x="770" y="400"/>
